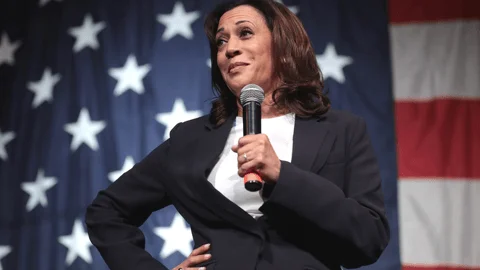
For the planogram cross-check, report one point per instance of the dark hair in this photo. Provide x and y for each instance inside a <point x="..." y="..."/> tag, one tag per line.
<point x="301" y="91"/>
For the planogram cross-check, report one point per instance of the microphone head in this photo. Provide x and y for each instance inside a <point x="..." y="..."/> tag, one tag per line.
<point x="251" y="92"/>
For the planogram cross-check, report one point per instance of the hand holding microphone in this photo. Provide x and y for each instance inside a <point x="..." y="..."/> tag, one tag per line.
<point x="257" y="160"/>
<point x="256" y="156"/>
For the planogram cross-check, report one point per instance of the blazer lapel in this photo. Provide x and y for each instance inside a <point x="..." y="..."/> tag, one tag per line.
<point x="312" y="141"/>
<point x="208" y="150"/>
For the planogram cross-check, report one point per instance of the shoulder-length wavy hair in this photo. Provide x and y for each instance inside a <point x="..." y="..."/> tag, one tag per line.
<point x="294" y="62"/>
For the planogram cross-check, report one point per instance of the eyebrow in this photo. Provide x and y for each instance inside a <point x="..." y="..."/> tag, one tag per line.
<point x="237" y="23"/>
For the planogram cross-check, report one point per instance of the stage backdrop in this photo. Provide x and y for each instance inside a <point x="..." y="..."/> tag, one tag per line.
<point x="88" y="88"/>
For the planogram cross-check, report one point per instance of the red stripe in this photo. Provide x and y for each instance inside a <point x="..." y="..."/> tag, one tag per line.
<point x="403" y="11"/>
<point x="415" y="267"/>
<point x="439" y="138"/>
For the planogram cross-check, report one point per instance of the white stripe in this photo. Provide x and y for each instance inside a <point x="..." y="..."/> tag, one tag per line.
<point x="436" y="60"/>
<point x="440" y="222"/>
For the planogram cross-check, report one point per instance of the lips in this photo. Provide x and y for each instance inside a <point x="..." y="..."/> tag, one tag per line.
<point x="237" y="64"/>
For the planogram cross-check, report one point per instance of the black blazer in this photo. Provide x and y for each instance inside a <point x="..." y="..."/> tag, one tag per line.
<point x="326" y="210"/>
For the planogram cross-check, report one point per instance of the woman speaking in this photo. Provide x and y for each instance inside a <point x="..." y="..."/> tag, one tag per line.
<point x="319" y="204"/>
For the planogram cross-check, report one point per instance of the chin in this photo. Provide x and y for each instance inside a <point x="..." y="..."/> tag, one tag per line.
<point x="236" y="86"/>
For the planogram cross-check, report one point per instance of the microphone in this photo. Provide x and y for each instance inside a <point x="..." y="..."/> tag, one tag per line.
<point x="251" y="97"/>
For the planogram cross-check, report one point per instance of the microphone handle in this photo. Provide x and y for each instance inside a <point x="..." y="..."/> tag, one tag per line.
<point x="252" y="120"/>
<point x="252" y="116"/>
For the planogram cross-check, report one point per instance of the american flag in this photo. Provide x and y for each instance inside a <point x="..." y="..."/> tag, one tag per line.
<point x="436" y="69"/>
<point x="88" y="88"/>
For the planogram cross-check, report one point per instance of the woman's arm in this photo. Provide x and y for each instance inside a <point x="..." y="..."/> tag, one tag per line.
<point x="116" y="213"/>
<point x="354" y="216"/>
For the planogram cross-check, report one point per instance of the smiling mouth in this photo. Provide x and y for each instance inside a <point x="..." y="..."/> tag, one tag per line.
<point x="236" y="66"/>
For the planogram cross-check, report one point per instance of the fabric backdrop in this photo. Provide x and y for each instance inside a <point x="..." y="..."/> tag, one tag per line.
<point x="88" y="88"/>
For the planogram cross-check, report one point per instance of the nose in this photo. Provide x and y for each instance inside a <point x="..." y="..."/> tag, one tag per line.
<point x="232" y="48"/>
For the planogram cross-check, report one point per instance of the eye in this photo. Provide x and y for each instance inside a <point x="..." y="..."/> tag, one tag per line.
<point x="245" y="32"/>
<point x="219" y="42"/>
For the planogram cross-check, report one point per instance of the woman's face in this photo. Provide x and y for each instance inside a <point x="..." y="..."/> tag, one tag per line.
<point x="244" y="49"/>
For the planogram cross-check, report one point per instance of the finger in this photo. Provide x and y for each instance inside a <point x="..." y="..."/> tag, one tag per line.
<point x="200" y="250"/>
<point x="250" y="151"/>
<point x="237" y="147"/>
<point x="248" y="139"/>
<point x="194" y="260"/>
<point x="254" y="155"/>
<point x="249" y="166"/>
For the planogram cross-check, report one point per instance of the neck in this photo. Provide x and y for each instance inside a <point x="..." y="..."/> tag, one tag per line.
<point x="269" y="109"/>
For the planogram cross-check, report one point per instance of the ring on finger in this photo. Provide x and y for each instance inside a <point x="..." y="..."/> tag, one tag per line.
<point x="245" y="157"/>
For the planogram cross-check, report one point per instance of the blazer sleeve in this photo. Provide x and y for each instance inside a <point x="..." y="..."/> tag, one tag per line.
<point x="115" y="214"/>
<point x="354" y="216"/>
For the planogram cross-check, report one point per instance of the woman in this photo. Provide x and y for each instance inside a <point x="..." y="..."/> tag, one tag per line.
<point x="321" y="206"/>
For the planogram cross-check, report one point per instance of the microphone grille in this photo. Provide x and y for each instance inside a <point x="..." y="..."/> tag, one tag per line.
<point x="251" y="92"/>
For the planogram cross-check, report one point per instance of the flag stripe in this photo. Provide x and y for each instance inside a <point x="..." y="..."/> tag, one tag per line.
<point x="405" y="11"/>
<point x="439" y="222"/>
<point x="438" y="138"/>
<point x="436" y="60"/>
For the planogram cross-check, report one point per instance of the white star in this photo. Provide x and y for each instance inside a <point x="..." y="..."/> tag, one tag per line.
<point x="44" y="2"/>
<point x="37" y="190"/>
<point x="77" y="243"/>
<point x="86" y="35"/>
<point x="127" y="165"/>
<point x="43" y="89"/>
<point x="7" y="50"/>
<point x="129" y="76"/>
<point x="84" y="130"/>
<point x="178" y="114"/>
<point x="4" y="251"/>
<point x="177" y="237"/>
<point x="331" y="64"/>
<point x="5" y="138"/>
<point x="293" y="9"/>
<point x="178" y="22"/>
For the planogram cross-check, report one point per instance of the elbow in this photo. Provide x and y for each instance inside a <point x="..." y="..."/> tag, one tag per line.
<point x="93" y="221"/>
<point x="102" y="225"/>
<point x="364" y="256"/>
<point x="369" y="249"/>
<point x="91" y="215"/>
<point x="373" y="251"/>
<point x="98" y="217"/>
<point x="92" y="228"/>
<point x="94" y="211"/>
